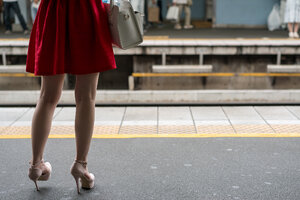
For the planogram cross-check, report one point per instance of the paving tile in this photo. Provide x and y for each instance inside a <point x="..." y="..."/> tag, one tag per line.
<point x="275" y="113"/>
<point x="248" y="122"/>
<point x="283" y="122"/>
<point x="176" y="123"/>
<point x="5" y="123"/>
<point x="141" y="114"/>
<point x="175" y="114"/>
<point x="109" y="113"/>
<point x="241" y="113"/>
<point x="108" y="123"/>
<point x="208" y="113"/>
<point x="63" y="123"/>
<point x="212" y="122"/>
<point x="66" y="114"/>
<point x="26" y="119"/>
<point x="11" y="114"/>
<point x="295" y="110"/>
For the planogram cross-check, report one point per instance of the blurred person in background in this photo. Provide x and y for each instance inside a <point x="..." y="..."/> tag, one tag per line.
<point x="138" y="5"/>
<point x="292" y="17"/>
<point x="186" y="5"/>
<point x="159" y="4"/>
<point x="13" y="4"/>
<point x="34" y="8"/>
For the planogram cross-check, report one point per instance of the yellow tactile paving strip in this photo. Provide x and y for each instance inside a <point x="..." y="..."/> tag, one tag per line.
<point x="106" y="130"/>
<point x="175" y="129"/>
<point x="129" y="131"/>
<point x="249" y="128"/>
<point x="287" y="128"/>
<point x="216" y="129"/>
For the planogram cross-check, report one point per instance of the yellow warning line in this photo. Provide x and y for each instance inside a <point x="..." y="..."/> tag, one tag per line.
<point x="180" y="74"/>
<point x="269" y="74"/>
<point x="12" y="39"/>
<point x="16" y="75"/>
<point x="213" y="74"/>
<point x="120" y="136"/>
<point x="212" y="39"/>
<point x="166" y="37"/>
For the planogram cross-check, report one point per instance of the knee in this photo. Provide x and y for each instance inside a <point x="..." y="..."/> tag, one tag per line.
<point x="85" y="98"/>
<point x="50" y="99"/>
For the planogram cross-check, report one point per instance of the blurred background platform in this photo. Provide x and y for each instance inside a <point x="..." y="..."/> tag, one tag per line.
<point x="167" y="31"/>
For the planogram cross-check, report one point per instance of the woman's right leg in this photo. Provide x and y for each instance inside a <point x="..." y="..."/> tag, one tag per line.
<point x="85" y="94"/>
<point x="41" y="123"/>
<point x="296" y="28"/>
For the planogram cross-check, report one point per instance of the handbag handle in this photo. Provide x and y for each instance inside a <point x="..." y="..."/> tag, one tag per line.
<point x="112" y="2"/>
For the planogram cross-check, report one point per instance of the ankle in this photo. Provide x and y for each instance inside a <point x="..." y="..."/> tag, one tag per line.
<point x="35" y="163"/>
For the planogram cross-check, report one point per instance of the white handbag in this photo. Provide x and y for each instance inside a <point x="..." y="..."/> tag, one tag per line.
<point x="173" y="13"/>
<point x="126" y="25"/>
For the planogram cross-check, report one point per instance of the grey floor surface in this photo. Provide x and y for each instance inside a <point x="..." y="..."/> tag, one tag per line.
<point x="209" y="33"/>
<point x="169" y="168"/>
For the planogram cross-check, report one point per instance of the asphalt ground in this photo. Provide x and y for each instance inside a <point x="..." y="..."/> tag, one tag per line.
<point x="161" y="168"/>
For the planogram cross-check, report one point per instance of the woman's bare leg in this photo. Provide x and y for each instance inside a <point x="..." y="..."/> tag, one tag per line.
<point x="290" y="27"/>
<point x="85" y="94"/>
<point x="41" y="122"/>
<point x="296" y="28"/>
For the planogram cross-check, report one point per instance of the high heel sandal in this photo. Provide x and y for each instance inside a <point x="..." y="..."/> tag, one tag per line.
<point x="79" y="172"/>
<point x="36" y="173"/>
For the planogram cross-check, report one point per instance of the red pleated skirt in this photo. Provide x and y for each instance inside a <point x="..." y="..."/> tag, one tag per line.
<point x="70" y="36"/>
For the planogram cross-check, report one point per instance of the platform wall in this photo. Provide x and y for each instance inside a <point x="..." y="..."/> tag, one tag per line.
<point x="243" y="12"/>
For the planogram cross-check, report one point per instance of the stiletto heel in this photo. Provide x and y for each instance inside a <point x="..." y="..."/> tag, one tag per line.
<point x="77" y="184"/>
<point x="36" y="172"/>
<point x="79" y="171"/>
<point x="37" y="187"/>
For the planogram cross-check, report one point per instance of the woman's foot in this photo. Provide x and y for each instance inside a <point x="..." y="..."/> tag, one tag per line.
<point x="296" y="35"/>
<point x="80" y="172"/>
<point x="39" y="171"/>
<point x="291" y="35"/>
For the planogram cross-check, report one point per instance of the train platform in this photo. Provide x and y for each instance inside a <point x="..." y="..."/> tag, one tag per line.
<point x="209" y="153"/>
<point x="167" y="31"/>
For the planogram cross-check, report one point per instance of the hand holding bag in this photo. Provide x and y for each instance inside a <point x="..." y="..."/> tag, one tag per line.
<point x="126" y="25"/>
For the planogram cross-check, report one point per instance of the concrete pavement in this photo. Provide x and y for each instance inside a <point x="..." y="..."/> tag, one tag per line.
<point x="157" y="121"/>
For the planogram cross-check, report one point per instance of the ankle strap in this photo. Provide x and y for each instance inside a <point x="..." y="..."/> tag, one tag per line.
<point x="84" y="163"/>
<point x="37" y="163"/>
